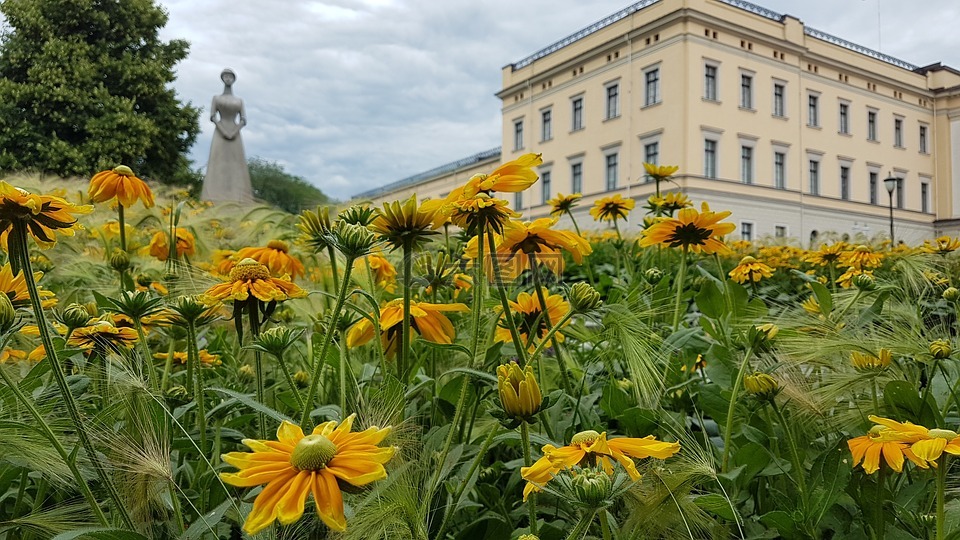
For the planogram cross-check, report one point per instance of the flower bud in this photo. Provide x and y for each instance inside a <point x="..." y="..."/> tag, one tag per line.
<point x="246" y="373"/>
<point x="354" y="241"/>
<point x="519" y="392"/>
<point x="761" y="385"/>
<point x="592" y="488"/>
<point x="120" y="260"/>
<point x="653" y="275"/>
<point x="301" y="379"/>
<point x="276" y="340"/>
<point x="864" y="282"/>
<point x="584" y="298"/>
<point x="75" y="316"/>
<point x="951" y="294"/>
<point x="8" y="315"/>
<point x="941" y="349"/>
<point x="177" y="395"/>
<point x="528" y="537"/>
<point x="870" y="362"/>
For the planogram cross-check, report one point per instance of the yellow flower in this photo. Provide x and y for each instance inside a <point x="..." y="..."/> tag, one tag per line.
<point x="519" y="392"/>
<point x="180" y="357"/>
<point x="111" y="229"/>
<point x="920" y="445"/>
<point x="275" y="256"/>
<point x="750" y="270"/>
<point x="159" y="247"/>
<point x="469" y="212"/>
<point x="223" y="261"/>
<point x="16" y="289"/>
<point x="695" y="231"/>
<point x="861" y="257"/>
<point x="120" y="182"/>
<point x="539" y="239"/>
<point x="8" y="355"/>
<point x="589" y="447"/>
<point x="407" y="223"/>
<point x="811" y="305"/>
<point x="826" y="255"/>
<point x="761" y="385"/>
<point x="941" y="245"/>
<point x="563" y="203"/>
<point x="846" y="279"/>
<point x="43" y="215"/>
<point x="249" y="277"/>
<point x="869" y="362"/>
<point x="103" y="336"/>
<point x="384" y="273"/>
<point x="660" y="173"/>
<point x="612" y="208"/>
<point x="868" y="448"/>
<point x="526" y="312"/>
<point x="669" y="203"/>
<point x="426" y="319"/>
<point x="295" y="465"/>
<point x="511" y="177"/>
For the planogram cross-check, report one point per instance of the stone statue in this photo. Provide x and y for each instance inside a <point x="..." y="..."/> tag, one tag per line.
<point x="227" y="178"/>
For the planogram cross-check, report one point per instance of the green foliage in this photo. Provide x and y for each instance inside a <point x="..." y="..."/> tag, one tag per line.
<point x="84" y="85"/>
<point x="273" y="185"/>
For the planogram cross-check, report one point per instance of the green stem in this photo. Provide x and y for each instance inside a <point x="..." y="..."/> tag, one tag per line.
<point x="794" y="454"/>
<point x="561" y="358"/>
<point x="463" y="484"/>
<point x="145" y="352"/>
<point x="293" y="387"/>
<point x="528" y="461"/>
<point x="193" y="359"/>
<point x="605" y="526"/>
<point x="728" y="429"/>
<point x="344" y="366"/>
<point x="123" y="244"/>
<point x="167" y="366"/>
<point x="324" y="345"/>
<point x="175" y="500"/>
<point x="502" y="289"/>
<point x="44" y="428"/>
<point x="849" y="305"/>
<point x="587" y="267"/>
<point x="941" y="496"/>
<point x="253" y="316"/>
<point x="681" y="274"/>
<point x="333" y="267"/>
<point x="404" y="356"/>
<point x="582" y="526"/>
<point x="881" y="522"/>
<point x="535" y="355"/>
<point x="18" y="237"/>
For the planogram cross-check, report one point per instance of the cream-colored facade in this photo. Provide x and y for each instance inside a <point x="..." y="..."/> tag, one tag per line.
<point x="791" y="129"/>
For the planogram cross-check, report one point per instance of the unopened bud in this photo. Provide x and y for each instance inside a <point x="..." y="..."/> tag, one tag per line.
<point x="864" y="282"/>
<point x="584" y="298"/>
<point x="653" y="275"/>
<point x="761" y="385"/>
<point x="592" y="488"/>
<point x="941" y="349"/>
<point x="177" y="395"/>
<point x="120" y="260"/>
<point x="8" y="315"/>
<point x="246" y="373"/>
<point x="952" y="294"/>
<point x="301" y="379"/>
<point x="354" y="241"/>
<point x="75" y="316"/>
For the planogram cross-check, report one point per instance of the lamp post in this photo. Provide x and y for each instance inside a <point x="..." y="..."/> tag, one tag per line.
<point x="890" y="182"/>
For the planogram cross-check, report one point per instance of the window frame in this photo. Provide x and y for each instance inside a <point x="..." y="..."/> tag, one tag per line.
<point x="611" y="91"/>
<point x="711" y="168"/>
<point x="813" y="109"/>
<point x="576" y="113"/>
<point x="656" y="98"/>
<point x="747" y="97"/>
<point x="576" y="169"/>
<point x="843" y="117"/>
<point x="780" y="170"/>
<point x="872" y="125"/>
<point x="711" y="81"/>
<point x="546" y="124"/>
<point x="518" y="134"/>
<point x="898" y="132"/>
<point x="813" y="175"/>
<point x="779" y="102"/>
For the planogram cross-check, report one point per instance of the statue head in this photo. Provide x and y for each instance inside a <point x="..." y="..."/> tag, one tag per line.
<point x="228" y="76"/>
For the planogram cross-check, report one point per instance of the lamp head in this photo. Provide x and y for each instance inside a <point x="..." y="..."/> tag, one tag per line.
<point x="890" y="183"/>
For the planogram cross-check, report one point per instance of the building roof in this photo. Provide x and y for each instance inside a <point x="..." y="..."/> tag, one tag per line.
<point x="493" y="153"/>
<point x="741" y="4"/>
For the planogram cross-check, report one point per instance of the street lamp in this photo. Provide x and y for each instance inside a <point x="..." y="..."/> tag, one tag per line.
<point x="891" y="184"/>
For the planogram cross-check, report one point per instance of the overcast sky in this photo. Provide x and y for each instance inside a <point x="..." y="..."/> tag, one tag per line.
<point x="354" y="94"/>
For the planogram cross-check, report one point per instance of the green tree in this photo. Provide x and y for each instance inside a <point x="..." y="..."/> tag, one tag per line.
<point x="85" y="85"/>
<point x="274" y="185"/>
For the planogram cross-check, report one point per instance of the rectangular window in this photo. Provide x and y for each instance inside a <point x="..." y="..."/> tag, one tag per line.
<point x="576" y="178"/>
<point x="577" y="105"/>
<point x="924" y="197"/>
<point x="651" y="153"/>
<point x="923" y="139"/>
<point x="779" y="108"/>
<point x="518" y="200"/>
<point x="746" y="231"/>
<point x="652" y="87"/>
<point x="845" y="183"/>
<point x="814" y="177"/>
<point x="844" y="118"/>
<point x="611" y="171"/>
<point x="898" y="132"/>
<point x="545" y="186"/>
<point x="613" y="101"/>
<point x="813" y="110"/>
<point x="874" y="185"/>
<point x="710" y="158"/>
<point x="710" y="83"/>
<point x="546" y="125"/>
<point x="746" y="164"/>
<point x="518" y="135"/>
<point x="779" y="170"/>
<point x="871" y="125"/>
<point x="900" y="194"/>
<point x="746" y="91"/>
<point x="780" y="231"/>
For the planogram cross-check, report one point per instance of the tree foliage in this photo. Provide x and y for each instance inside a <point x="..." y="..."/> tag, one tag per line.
<point x="274" y="185"/>
<point x="85" y="85"/>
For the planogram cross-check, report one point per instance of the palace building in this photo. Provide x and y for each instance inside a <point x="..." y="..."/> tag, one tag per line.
<point x="792" y="129"/>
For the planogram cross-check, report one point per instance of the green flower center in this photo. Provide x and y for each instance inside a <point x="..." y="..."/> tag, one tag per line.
<point x="585" y="437"/>
<point x="942" y="434"/>
<point x="123" y="170"/>
<point x="249" y="270"/>
<point x="279" y="245"/>
<point x="312" y="453"/>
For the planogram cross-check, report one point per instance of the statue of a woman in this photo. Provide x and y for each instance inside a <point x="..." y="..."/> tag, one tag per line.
<point x="227" y="178"/>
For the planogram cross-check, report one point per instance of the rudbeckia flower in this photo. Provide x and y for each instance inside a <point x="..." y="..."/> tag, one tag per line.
<point x="519" y="392"/>
<point x="861" y="258"/>
<point x="612" y="208"/>
<point x="750" y="270"/>
<point x="428" y="320"/>
<point x="120" y="182"/>
<point x="102" y="336"/>
<point x="669" y="203"/>
<point x="248" y="278"/>
<point x="659" y="173"/>
<point x="159" y="247"/>
<point x="43" y="215"/>
<point x="296" y="465"/>
<point x="941" y="245"/>
<point x="16" y="289"/>
<point x="526" y="312"/>
<point x="384" y="273"/>
<point x="827" y="254"/>
<point x="180" y="357"/>
<point x="563" y="203"/>
<point x="275" y="256"/>
<point x="407" y="223"/>
<point x="692" y="230"/>
<point x="537" y="238"/>
<point x="869" y="361"/>
<point x="511" y="177"/>
<point x="589" y="448"/>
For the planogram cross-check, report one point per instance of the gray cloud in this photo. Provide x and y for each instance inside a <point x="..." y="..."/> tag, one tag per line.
<point x="352" y="94"/>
